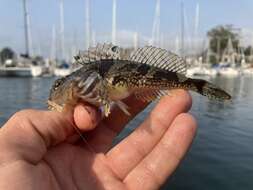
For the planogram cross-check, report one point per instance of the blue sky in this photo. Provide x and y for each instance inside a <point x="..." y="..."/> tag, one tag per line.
<point x="132" y="15"/>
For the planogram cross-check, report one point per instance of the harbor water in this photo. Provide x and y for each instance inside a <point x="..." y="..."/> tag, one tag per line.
<point x="221" y="156"/>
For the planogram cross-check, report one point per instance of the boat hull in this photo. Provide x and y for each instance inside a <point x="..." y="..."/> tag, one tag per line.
<point x="20" y="71"/>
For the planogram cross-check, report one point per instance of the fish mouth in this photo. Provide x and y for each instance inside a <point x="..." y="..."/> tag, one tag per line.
<point x="54" y="106"/>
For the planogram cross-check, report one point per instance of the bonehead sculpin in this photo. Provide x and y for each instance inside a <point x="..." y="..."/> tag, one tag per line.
<point x="107" y="76"/>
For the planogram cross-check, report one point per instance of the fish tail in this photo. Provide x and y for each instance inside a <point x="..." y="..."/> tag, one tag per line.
<point x="207" y="89"/>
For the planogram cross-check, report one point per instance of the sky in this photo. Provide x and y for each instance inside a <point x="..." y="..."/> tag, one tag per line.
<point x="132" y="16"/>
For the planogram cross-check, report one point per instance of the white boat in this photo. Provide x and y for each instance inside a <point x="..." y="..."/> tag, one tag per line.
<point x="62" y="69"/>
<point x="194" y="71"/>
<point x="32" y="71"/>
<point x="211" y="72"/>
<point x="247" y="71"/>
<point x="190" y="71"/>
<point x="36" y="71"/>
<point x="61" y="72"/>
<point x="202" y="71"/>
<point x="229" y="72"/>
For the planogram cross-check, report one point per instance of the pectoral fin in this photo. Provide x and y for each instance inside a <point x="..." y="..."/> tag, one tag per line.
<point x="107" y="109"/>
<point x="123" y="107"/>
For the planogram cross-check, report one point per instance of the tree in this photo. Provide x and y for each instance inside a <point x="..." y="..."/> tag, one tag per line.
<point x="6" y="53"/>
<point x="219" y="37"/>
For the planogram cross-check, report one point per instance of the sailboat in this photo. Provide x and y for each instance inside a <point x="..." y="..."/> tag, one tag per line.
<point x="203" y="69"/>
<point x="23" y="66"/>
<point x="248" y="71"/>
<point x="228" y="71"/>
<point x="200" y="69"/>
<point x="228" y="65"/>
<point x="62" y="67"/>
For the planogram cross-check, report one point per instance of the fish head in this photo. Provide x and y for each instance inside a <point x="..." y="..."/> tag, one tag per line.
<point x="62" y="93"/>
<point x="84" y="86"/>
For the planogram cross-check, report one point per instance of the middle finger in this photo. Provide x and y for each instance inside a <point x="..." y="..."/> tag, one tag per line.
<point x="125" y="156"/>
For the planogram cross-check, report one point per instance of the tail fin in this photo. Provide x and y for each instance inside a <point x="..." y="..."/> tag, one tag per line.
<point x="207" y="89"/>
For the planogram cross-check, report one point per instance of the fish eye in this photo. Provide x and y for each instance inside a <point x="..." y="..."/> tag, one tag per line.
<point x="114" y="48"/>
<point x="77" y="57"/>
<point x="57" y="84"/>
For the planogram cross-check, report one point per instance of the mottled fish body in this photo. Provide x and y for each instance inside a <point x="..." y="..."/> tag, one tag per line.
<point x="108" y="76"/>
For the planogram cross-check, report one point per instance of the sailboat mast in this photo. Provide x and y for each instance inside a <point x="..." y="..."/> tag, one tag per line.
<point x="87" y="25"/>
<point x="30" y="41"/>
<point x="114" y="21"/>
<point x="196" y="28"/>
<point x="53" y="44"/>
<point x="177" y="45"/>
<point x="26" y="25"/>
<point x="196" y="20"/>
<point x="62" y="42"/>
<point x="208" y="55"/>
<point x="156" y="25"/>
<point x="182" y="29"/>
<point x="135" y="40"/>
<point x="93" y="38"/>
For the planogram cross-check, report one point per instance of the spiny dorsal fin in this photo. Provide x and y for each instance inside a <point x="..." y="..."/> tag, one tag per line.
<point x="159" y="58"/>
<point x="98" y="53"/>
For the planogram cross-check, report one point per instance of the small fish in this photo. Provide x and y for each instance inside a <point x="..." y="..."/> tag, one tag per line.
<point x="107" y="76"/>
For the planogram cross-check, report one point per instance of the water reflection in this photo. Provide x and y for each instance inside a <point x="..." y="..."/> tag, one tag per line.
<point x="20" y="93"/>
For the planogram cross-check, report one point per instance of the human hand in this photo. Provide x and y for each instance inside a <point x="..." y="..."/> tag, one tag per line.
<point x="39" y="149"/>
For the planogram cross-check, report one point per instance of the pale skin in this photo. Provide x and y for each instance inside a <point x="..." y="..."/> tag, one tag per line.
<point x="40" y="149"/>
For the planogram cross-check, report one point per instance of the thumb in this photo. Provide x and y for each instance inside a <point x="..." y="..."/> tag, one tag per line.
<point x="29" y="133"/>
<point x="86" y="117"/>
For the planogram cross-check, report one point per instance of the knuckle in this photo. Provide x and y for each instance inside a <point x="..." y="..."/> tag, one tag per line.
<point x="149" y="172"/>
<point x="23" y="113"/>
<point x="22" y="118"/>
<point x="190" y="121"/>
<point x="158" y="119"/>
<point x="139" y="150"/>
<point x="168" y="146"/>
